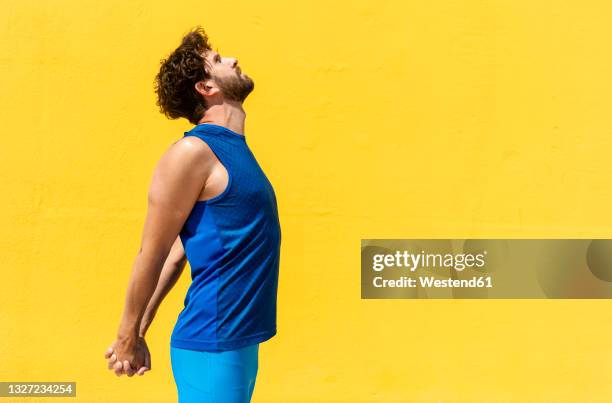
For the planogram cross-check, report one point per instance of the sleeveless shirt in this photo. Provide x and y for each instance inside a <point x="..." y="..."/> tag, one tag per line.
<point x="232" y="243"/>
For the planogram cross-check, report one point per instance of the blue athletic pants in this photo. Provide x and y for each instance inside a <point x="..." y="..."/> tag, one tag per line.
<point x="219" y="377"/>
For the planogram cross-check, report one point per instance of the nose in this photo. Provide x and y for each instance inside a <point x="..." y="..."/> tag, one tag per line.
<point x="233" y="62"/>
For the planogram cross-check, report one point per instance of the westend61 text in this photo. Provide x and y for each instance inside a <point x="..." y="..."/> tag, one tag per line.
<point x="432" y="282"/>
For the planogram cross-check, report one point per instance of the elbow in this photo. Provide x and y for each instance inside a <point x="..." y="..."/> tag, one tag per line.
<point x="180" y="261"/>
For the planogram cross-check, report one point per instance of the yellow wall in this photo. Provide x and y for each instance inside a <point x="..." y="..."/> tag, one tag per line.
<point x="443" y="119"/>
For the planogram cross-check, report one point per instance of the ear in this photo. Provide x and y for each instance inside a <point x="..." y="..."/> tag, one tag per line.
<point x="207" y="87"/>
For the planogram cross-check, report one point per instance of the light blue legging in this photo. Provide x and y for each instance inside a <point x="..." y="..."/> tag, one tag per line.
<point x="221" y="377"/>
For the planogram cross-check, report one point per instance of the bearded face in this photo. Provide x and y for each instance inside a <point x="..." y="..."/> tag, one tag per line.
<point x="227" y="74"/>
<point x="235" y="87"/>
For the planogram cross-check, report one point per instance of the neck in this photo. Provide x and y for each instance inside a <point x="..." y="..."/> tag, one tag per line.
<point x="229" y="114"/>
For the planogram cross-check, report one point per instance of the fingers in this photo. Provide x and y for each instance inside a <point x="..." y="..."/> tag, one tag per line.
<point x="111" y="361"/>
<point x="118" y="368"/>
<point x="142" y="370"/>
<point x="128" y="368"/>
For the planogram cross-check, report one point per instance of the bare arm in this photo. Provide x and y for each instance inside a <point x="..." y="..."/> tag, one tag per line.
<point x="177" y="183"/>
<point x="171" y="272"/>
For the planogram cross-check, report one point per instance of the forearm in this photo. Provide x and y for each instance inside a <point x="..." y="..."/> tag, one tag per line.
<point x="143" y="282"/>
<point x="170" y="274"/>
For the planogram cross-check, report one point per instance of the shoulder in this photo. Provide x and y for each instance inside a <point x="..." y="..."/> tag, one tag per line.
<point x="191" y="145"/>
<point x="189" y="153"/>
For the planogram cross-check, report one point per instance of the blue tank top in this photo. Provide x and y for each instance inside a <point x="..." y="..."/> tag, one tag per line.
<point x="232" y="243"/>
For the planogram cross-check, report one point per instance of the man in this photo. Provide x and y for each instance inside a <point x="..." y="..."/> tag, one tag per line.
<point x="211" y="204"/>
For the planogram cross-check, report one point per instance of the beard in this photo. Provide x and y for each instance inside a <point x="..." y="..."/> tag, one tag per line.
<point x="236" y="88"/>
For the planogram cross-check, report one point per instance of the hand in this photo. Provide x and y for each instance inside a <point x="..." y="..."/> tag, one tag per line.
<point x="131" y="356"/>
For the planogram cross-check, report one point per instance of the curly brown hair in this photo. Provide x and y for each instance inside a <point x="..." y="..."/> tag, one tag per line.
<point x="174" y="84"/>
